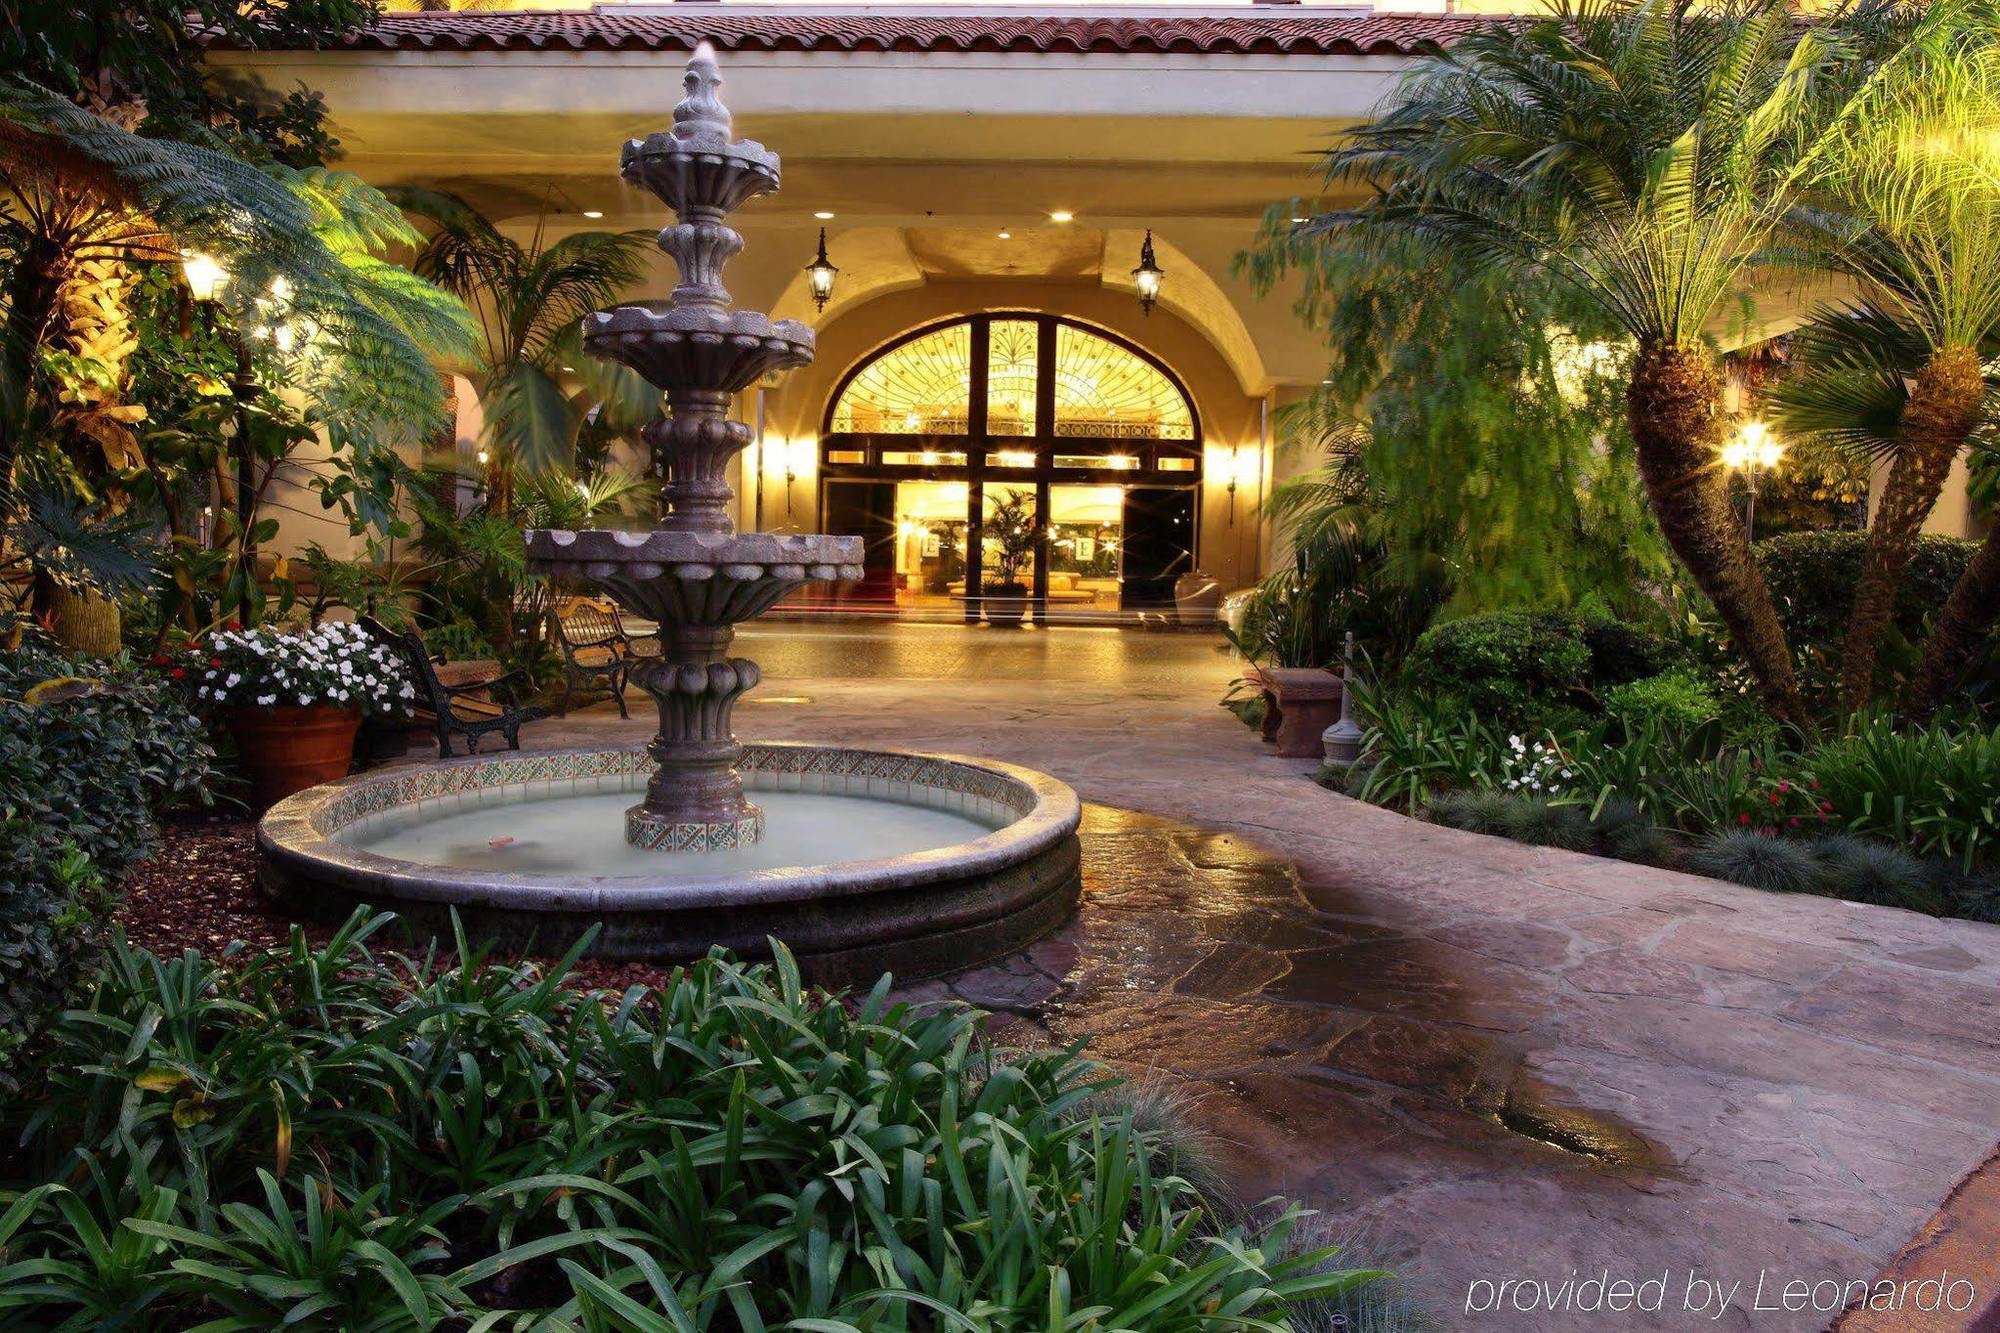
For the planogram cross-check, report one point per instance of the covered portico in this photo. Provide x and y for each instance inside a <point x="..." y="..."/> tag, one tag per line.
<point x="961" y="164"/>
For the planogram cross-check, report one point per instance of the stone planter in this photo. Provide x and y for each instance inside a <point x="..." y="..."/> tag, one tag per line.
<point x="1005" y="604"/>
<point x="286" y="749"/>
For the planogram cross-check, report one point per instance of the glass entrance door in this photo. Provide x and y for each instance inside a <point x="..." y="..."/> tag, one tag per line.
<point x="1078" y="455"/>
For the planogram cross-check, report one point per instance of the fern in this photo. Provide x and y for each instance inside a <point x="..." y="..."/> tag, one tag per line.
<point x="371" y="332"/>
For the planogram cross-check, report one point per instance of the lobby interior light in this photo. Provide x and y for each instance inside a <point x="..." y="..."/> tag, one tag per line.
<point x="1006" y="235"/>
<point x="205" y="276"/>
<point x="1062" y="215"/>
<point x="1147" y="276"/>
<point x="821" y="273"/>
<point x="824" y="216"/>
<point x="593" y="213"/>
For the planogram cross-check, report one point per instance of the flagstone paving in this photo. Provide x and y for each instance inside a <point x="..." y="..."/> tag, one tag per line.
<point x="1502" y="1062"/>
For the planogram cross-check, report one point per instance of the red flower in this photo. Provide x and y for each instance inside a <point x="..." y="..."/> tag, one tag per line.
<point x="1826" y="807"/>
<point x="1784" y="786"/>
<point x="178" y="673"/>
<point x="1742" y="819"/>
<point x="1793" y="822"/>
<point x="215" y="661"/>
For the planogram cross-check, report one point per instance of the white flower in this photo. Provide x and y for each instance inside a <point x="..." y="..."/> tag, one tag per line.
<point x="267" y="699"/>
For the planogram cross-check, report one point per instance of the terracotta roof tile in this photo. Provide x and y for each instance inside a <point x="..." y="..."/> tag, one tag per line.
<point x="1211" y="34"/>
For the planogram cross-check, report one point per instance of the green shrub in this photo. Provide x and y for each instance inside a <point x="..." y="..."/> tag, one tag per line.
<point x="1974" y="899"/>
<point x="1934" y="790"/>
<point x="1620" y="653"/>
<point x="1679" y="700"/>
<point x="1419" y="747"/>
<point x="1865" y="871"/>
<point x="90" y="753"/>
<point x="1542" y="823"/>
<point x="1757" y="861"/>
<point x="1480" y="811"/>
<point x="1812" y="576"/>
<point x="1517" y="669"/>
<point x="457" y="641"/>
<point x="1624" y="829"/>
<point x="328" y="1138"/>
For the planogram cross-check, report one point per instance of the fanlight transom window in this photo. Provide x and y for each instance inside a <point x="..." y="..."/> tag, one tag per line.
<point x="1103" y="389"/>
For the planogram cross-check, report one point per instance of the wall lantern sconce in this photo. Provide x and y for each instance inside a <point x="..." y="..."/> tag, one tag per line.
<point x="821" y="273"/>
<point x="798" y="456"/>
<point x="1147" y="276"/>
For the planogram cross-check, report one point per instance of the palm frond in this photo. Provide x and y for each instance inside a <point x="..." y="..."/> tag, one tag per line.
<point x="301" y="249"/>
<point x="1642" y="153"/>
<point x="50" y="528"/>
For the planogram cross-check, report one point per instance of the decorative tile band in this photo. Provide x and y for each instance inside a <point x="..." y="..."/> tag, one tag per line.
<point x="662" y="835"/>
<point x="764" y="765"/>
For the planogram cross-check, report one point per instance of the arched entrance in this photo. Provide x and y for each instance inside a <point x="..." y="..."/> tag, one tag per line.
<point x="937" y="445"/>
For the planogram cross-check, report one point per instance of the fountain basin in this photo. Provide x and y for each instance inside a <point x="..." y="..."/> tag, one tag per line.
<point x="977" y="858"/>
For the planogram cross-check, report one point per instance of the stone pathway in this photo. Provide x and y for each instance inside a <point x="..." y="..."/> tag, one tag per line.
<point x="1503" y="1062"/>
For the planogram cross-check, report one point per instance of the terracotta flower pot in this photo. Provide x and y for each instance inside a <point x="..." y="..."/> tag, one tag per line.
<point x="287" y="748"/>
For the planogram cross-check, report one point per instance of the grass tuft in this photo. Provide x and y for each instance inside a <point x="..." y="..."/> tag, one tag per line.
<point x="1758" y="862"/>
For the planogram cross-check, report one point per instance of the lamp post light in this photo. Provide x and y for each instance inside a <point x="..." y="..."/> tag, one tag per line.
<point x="1754" y="450"/>
<point x="821" y="273"/>
<point x="206" y="277"/>
<point x="1147" y="276"/>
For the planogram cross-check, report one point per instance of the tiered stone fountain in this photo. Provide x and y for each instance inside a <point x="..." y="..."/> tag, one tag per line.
<point x="697" y="576"/>
<point x="871" y="859"/>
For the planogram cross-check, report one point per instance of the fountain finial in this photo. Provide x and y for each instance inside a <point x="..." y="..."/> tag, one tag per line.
<point x="701" y="113"/>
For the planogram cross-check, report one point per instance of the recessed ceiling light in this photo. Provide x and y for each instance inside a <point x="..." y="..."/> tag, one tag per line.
<point x="824" y="216"/>
<point x="1298" y="220"/>
<point x="1062" y="215"/>
<point x="1006" y="235"/>
<point x="593" y="212"/>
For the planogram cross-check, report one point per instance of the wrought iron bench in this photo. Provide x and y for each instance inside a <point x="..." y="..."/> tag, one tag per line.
<point x="456" y="708"/>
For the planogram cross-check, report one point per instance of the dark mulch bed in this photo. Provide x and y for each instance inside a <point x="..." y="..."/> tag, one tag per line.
<point x="199" y="891"/>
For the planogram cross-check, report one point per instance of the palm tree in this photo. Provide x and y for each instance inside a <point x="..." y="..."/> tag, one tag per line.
<point x="1907" y="211"/>
<point x="1646" y="154"/>
<point x="529" y="301"/>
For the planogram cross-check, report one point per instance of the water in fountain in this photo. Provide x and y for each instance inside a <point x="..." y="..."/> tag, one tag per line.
<point x="695" y="574"/>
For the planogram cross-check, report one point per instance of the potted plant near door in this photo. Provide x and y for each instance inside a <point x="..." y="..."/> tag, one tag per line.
<point x="293" y="701"/>
<point x="1011" y="538"/>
